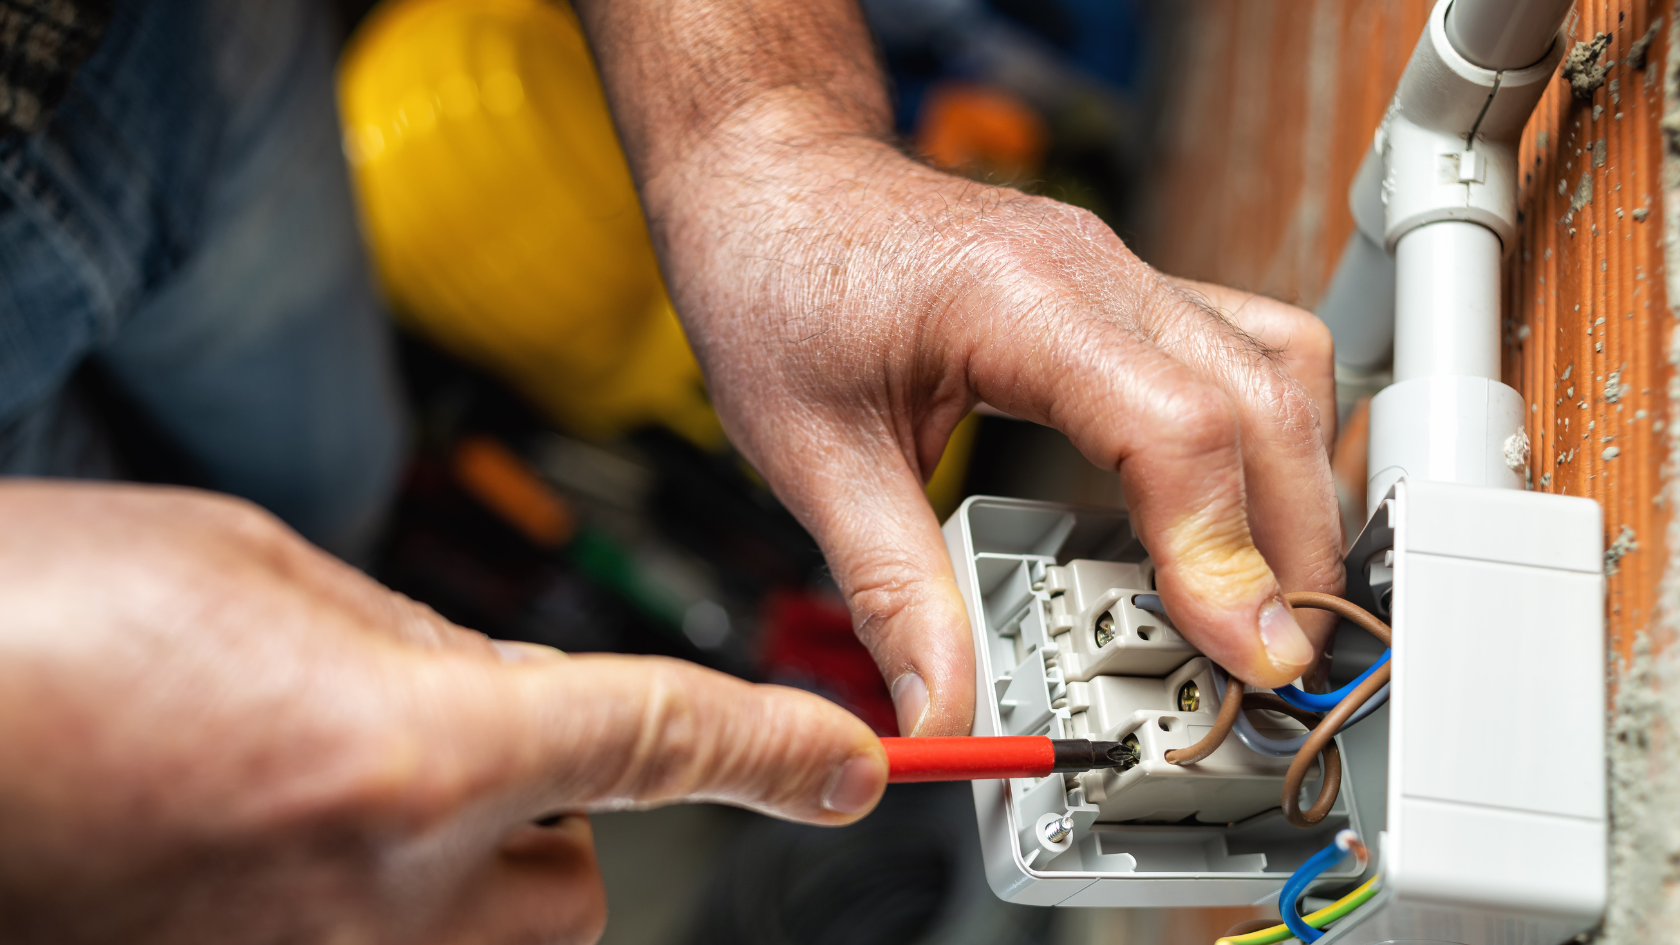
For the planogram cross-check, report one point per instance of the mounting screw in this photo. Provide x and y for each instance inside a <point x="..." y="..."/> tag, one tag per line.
<point x="1189" y="697"/>
<point x="1104" y="632"/>
<point x="1056" y="831"/>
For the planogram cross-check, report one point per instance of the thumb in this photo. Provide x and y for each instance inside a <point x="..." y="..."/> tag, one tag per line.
<point x="594" y="732"/>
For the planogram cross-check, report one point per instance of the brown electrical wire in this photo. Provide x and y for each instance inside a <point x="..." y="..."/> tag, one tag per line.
<point x="1329" y="756"/>
<point x="1222" y="725"/>
<point x="1342" y="608"/>
<point x="1322" y="732"/>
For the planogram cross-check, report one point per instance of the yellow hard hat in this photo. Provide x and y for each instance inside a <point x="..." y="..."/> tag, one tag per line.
<point x="502" y="215"/>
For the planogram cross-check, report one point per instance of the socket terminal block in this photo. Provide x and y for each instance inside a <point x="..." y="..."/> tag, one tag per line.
<point x="1098" y="627"/>
<point x="1129" y="676"/>
<point x="1157" y="715"/>
<point x="1038" y="578"/>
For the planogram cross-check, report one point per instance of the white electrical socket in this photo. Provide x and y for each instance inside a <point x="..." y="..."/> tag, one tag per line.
<point x="1480" y="786"/>
<point x="1036" y="577"/>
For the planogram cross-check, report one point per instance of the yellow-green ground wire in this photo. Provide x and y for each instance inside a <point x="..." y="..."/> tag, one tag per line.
<point x="1318" y="920"/>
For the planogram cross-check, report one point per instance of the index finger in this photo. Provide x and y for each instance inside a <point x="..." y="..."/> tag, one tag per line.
<point x="1292" y="509"/>
<point x="1176" y="437"/>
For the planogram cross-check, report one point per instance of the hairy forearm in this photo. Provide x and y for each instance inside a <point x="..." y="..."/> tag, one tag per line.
<point x="759" y="134"/>
<point x="700" y="87"/>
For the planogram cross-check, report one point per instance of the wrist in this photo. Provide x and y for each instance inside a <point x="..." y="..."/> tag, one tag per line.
<point x="772" y="152"/>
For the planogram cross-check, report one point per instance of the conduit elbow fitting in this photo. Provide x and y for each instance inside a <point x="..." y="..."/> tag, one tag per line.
<point x="1449" y="140"/>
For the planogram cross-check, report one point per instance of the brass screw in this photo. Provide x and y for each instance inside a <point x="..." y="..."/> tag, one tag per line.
<point x="1189" y="697"/>
<point x="1105" y="629"/>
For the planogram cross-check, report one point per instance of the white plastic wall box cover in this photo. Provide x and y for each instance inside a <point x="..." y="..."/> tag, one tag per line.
<point x="1498" y="601"/>
<point x="1030" y="606"/>
<point x="1483" y="834"/>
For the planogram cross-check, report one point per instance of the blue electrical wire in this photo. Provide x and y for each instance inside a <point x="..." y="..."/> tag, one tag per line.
<point x="1287" y="747"/>
<point x="1289" y="900"/>
<point x="1324" y="702"/>
<point x="1307" y="701"/>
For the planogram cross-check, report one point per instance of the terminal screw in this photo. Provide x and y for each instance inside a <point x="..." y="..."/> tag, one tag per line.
<point x="1104" y="632"/>
<point x="1130" y="753"/>
<point x="1056" y="831"/>
<point x="1189" y="697"/>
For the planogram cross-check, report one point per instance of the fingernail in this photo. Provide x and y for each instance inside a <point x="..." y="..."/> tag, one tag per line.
<point x="518" y="651"/>
<point x="853" y="786"/>
<point x="1286" y="646"/>
<point x="910" y="698"/>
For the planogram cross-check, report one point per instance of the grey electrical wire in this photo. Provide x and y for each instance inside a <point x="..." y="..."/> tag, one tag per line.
<point x="1287" y="747"/>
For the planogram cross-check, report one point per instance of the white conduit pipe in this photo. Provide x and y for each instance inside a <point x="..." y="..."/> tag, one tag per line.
<point x="1505" y="34"/>
<point x="1448" y="148"/>
<point x="1446" y="302"/>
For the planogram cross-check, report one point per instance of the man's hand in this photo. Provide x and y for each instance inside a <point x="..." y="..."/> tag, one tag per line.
<point x="850" y="306"/>
<point x="212" y="732"/>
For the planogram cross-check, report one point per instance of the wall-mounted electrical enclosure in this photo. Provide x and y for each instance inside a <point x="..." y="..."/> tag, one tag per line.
<point x="1480" y="785"/>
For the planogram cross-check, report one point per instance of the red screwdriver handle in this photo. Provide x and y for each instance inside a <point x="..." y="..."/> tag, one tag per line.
<point x="968" y="759"/>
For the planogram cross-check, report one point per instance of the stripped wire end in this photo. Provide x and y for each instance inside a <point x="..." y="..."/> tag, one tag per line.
<point x="1289" y="901"/>
<point x="1348" y="842"/>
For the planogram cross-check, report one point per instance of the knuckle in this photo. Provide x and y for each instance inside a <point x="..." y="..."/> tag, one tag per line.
<point x="670" y="755"/>
<point x="239" y="517"/>
<point x="1294" y="410"/>
<point x="1078" y="220"/>
<point x="1200" y="417"/>
<point x="245" y="529"/>
<point x="1323" y="569"/>
<point x="1310" y="340"/>
<point x="1288" y="392"/>
<point x="1008" y="247"/>
<point x="751" y="744"/>
<point x="1328" y="573"/>
<point x="880" y="592"/>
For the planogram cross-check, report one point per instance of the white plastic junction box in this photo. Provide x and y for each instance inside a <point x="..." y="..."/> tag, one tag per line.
<point x="1480" y="786"/>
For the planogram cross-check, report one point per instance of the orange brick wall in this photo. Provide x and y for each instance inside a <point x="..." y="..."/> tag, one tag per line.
<point x="1276" y="110"/>
<point x="1588" y="300"/>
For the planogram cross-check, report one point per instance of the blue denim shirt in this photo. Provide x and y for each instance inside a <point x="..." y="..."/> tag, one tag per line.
<point x="42" y="44"/>
<point x="183" y="223"/>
